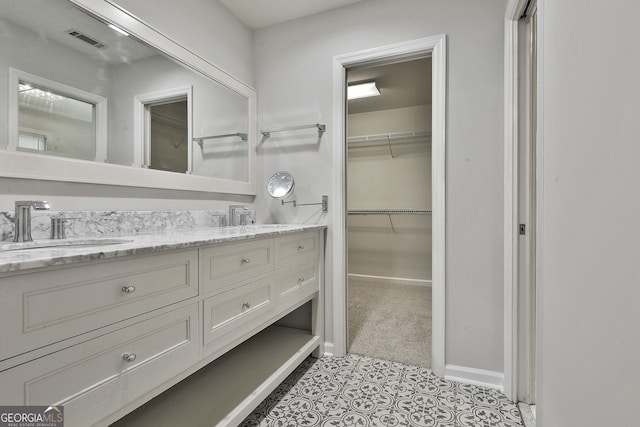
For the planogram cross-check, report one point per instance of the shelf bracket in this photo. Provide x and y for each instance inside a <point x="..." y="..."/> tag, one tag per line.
<point x="390" y="151"/>
<point x="391" y="222"/>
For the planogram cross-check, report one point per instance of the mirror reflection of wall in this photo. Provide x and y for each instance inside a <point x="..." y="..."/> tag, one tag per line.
<point x="221" y="157"/>
<point x="169" y="136"/>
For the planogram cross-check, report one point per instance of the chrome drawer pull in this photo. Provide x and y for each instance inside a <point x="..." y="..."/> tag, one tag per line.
<point x="128" y="357"/>
<point x="129" y="290"/>
<point x="301" y="279"/>
<point x="246" y="260"/>
<point x="300" y="247"/>
<point x="246" y="305"/>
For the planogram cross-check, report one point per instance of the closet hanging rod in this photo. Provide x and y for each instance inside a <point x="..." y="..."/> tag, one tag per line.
<point x="389" y="212"/>
<point x="321" y="128"/>
<point x="200" y="140"/>
<point x="385" y="136"/>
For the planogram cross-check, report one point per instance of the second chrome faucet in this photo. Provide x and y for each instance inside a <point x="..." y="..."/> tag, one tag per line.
<point x="238" y="215"/>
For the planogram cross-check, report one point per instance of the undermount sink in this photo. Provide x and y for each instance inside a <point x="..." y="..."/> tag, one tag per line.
<point x="66" y="243"/>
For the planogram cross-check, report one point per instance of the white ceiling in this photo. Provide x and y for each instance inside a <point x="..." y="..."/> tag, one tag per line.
<point x="402" y="84"/>
<point x="51" y="19"/>
<point x="263" y="13"/>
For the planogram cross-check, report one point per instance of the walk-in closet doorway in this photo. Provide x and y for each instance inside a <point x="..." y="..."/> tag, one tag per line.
<point x="388" y="190"/>
<point x="435" y="49"/>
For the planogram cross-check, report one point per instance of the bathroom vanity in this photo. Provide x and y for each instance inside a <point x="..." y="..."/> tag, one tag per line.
<point x="215" y="315"/>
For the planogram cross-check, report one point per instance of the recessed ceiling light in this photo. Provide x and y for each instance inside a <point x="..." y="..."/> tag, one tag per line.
<point x="118" y="30"/>
<point x="362" y="90"/>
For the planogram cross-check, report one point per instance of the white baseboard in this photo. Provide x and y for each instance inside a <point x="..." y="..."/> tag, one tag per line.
<point x="401" y="280"/>
<point x="479" y="377"/>
<point x="328" y="349"/>
<point x="528" y="414"/>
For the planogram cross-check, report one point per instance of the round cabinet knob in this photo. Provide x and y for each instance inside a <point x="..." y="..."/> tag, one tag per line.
<point x="300" y="247"/>
<point x="246" y="260"/>
<point x="300" y="279"/>
<point x="129" y="290"/>
<point x="246" y="306"/>
<point x="128" y="357"/>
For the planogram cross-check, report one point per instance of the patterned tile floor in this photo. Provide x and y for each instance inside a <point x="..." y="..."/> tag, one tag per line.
<point x="360" y="391"/>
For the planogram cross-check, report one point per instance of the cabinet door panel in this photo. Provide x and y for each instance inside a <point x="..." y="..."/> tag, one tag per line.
<point x="238" y="310"/>
<point x="296" y="283"/>
<point x="42" y="308"/>
<point x="226" y="265"/>
<point x="297" y="248"/>
<point x="93" y="379"/>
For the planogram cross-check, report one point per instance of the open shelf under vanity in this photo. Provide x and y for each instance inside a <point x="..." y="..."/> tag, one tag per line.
<point x="240" y="379"/>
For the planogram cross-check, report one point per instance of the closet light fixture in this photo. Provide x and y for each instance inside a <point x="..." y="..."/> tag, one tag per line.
<point x="362" y="90"/>
<point x="118" y="30"/>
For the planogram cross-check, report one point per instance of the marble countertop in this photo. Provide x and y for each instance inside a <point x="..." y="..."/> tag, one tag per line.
<point x="14" y="256"/>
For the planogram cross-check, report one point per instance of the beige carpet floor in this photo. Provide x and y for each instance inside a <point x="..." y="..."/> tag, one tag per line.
<point x="390" y="321"/>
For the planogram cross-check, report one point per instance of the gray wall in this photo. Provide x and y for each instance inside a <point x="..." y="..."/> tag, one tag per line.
<point x="589" y="291"/>
<point x="293" y="75"/>
<point x="208" y="29"/>
<point x="294" y="81"/>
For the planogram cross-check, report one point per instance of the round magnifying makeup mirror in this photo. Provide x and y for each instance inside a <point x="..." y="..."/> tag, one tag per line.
<point x="281" y="185"/>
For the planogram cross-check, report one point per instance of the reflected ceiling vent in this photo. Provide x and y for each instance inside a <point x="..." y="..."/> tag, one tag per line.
<point x="85" y="38"/>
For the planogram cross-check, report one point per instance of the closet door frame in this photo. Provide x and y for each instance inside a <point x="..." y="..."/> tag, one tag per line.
<point x="520" y="372"/>
<point x="435" y="47"/>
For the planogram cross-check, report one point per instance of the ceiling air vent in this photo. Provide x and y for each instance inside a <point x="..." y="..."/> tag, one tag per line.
<point x="85" y="38"/>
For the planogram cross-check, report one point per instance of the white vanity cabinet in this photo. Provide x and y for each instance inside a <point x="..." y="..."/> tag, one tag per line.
<point x="106" y="337"/>
<point x="247" y="284"/>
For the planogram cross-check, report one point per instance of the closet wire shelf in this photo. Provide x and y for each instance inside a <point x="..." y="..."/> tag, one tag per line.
<point x="389" y="213"/>
<point x="381" y="139"/>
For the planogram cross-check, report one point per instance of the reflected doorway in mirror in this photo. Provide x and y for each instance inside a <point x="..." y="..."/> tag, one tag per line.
<point x="169" y="135"/>
<point x="162" y="127"/>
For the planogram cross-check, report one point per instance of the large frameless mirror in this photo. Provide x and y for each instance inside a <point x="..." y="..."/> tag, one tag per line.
<point x="89" y="82"/>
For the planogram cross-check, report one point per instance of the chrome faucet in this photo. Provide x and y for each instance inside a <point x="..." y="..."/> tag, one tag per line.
<point x="23" y="219"/>
<point x="241" y="219"/>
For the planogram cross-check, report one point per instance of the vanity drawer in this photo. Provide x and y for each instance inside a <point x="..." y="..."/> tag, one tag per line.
<point x="296" y="248"/>
<point x="296" y="283"/>
<point x="227" y="264"/>
<point x="93" y="379"/>
<point x="42" y="308"/>
<point x="238" y="310"/>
